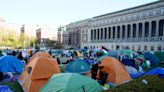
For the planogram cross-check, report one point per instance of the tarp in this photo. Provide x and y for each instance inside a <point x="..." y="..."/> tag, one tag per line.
<point x="71" y="82"/>
<point x="156" y="71"/>
<point x="10" y="64"/>
<point x="37" y="73"/>
<point x="77" y="67"/>
<point x="133" y="72"/>
<point x="4" y="88"/>
<point x="117" y="73"/>
<point x="153" y="59"/>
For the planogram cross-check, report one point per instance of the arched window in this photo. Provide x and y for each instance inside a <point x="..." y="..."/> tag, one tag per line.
<point x="152" y="48"/>
<point x="139" y="47"/>
<point x="159" y="47"/>
<point x="145" y="48"/>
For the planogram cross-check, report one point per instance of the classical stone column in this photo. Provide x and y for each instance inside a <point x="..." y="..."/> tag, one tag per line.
<point x="150" y="29"/>
<point x="143" y="30"/>
<point x="116" y="32"/>
<point x="103" y="34"/>
<point x="107" y="33"/>
<point x="157" y="29"/>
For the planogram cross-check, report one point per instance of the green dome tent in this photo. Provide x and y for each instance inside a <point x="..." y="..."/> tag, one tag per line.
<point x="71" y="82"/>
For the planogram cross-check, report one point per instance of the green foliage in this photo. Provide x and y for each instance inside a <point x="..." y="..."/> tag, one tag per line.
<point x="10" y="39"/>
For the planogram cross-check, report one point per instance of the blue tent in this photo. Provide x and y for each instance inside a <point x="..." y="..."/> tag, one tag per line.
<point x="127" y="61"/>
<point x="113" y="53"/>
<point x="77" y="67"/>
<point x="153" y="59"/>
<point x="10" y="64"/>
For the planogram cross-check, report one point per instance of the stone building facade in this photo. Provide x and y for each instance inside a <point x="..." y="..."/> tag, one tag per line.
<point x="137" y="28"/>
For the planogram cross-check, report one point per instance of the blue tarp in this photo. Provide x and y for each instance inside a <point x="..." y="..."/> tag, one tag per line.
<point x="10" y="64"/>
<point x="77" y="67"/>
<point x="4" y="88"/>
<point x="156" y="71"/>
<point x="153" y="59"/>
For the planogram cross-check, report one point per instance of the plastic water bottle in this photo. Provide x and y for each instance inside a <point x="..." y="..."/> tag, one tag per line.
<point x="144" y="82"/>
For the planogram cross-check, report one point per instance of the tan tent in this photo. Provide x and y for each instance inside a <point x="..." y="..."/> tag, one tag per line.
<point x="40" y="53"/>
<point x="37" y="73"/>
<point x="117" y="73"/>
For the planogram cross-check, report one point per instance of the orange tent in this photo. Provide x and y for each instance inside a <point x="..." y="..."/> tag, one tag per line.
<point x="117" y="73"/>
<point x="40" y="53"/>
<point x="37" y="73"/>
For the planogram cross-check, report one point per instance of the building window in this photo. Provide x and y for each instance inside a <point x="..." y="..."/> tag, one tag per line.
<point x="140" y="30"/>
<point x="161" y="27"/>
<point x="102" y="32"/>
<point x="91" y="34"/>
<point x="129" y="31"/>
<point x="98" y="32"/>
<point x="114" y="32"/>
<point x="118" y="31"/>
<point x="134" y="30"/>
<point x="159" y="47"/>
<point x="133" y="47"/>
<point x="139" y="47"/>
<point x="146" y="29"/>
<point x="152" y="48"/>
<point x="153" y="28"/>
<point x="109" y="32"/>
<point x="145" y="48"/>
<point x="123" y="31"/>
<point x="105" y="33"/>
<point x="95" y="34"/>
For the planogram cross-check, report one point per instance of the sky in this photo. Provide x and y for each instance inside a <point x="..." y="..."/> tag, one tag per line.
<point x="60" y="12"/>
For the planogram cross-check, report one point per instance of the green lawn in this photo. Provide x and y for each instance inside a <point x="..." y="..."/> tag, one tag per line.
<point x="14" y="86"/>
<point x="155" y="84"/>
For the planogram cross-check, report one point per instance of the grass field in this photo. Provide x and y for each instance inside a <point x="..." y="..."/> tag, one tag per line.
<point x="155" y="84"/>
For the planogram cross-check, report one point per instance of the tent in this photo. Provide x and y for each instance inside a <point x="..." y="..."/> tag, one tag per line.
<point x="10" y="64"/>
<point x="160" y="55"/>
<point x="71" y="82"/>
<point x="40" y="53"/>
<point x="114" y="53"/>
<point x="117" y="73"/>
<point x="133" y="72"/>
<point x="153" y="59"/>
<point x="37" y="73"/>
<point x="77" y="67"/>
